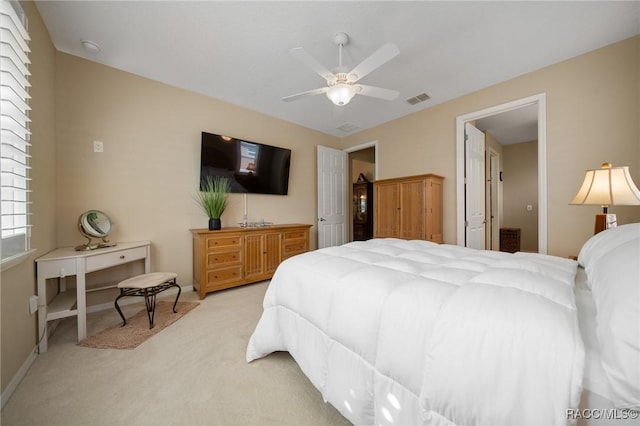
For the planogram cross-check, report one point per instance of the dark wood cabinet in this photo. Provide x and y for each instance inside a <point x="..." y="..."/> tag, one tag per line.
<point x="362" y="211"/>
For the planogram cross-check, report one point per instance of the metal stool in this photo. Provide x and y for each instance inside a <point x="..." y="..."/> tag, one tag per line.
<point x="148" y="286"/>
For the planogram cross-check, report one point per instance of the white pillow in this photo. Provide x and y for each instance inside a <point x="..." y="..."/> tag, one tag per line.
<point x="612" y="263"/>
<point x="605" y="241"/>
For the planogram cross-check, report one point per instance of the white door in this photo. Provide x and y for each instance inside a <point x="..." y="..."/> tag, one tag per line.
<point x="474" y="188"/>
<point x="332" y="197"/>
<point x="492" y="200"/>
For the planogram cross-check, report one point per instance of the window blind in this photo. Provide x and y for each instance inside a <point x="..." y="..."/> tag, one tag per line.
<point x="14" y="130"/>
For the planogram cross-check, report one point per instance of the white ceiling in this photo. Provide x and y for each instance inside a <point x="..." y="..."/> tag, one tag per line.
<point x="238" y="51"/>
<point x="514" y="126"/>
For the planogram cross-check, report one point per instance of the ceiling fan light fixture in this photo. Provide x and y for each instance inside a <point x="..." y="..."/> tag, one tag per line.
<point x="341" y="93"/>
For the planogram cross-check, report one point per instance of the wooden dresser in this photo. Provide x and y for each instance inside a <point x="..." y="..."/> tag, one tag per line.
<point x="409" y="208"/>
<point x="235" y="256"/>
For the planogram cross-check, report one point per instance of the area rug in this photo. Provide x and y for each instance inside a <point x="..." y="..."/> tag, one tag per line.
<point x="136" y="331"/>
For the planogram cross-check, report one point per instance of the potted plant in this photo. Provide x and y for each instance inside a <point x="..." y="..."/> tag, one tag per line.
<point x="213" y="197"/>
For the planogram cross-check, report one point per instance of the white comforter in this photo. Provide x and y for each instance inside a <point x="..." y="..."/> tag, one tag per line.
<point x="410" y="332"/>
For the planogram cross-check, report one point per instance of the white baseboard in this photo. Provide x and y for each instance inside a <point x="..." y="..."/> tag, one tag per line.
<point x="22" y="371"/>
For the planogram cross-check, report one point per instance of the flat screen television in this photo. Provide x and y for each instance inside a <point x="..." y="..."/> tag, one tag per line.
<point x="251" y="167"/>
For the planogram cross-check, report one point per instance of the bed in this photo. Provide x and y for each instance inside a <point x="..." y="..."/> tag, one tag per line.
<point x="411" y="332"/>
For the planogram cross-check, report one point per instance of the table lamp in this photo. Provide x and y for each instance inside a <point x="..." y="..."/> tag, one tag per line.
<point x="607" y="186"/>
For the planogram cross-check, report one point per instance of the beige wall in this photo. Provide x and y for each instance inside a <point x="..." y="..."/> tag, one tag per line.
<point x="19" y="329"/>
<point x="148" y="174"/>
<point x="363" y="161"/>
<point x="145" y="179"/>
<point x="592" y="116"/>
<point x="520" y="188"/>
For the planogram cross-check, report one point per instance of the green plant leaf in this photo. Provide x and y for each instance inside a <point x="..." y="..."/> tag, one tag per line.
<point x="214" y="195"/>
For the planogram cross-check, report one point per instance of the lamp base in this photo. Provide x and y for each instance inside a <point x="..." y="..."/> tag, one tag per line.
<point x="601" y="223"/>
<point x="604" y="221"/>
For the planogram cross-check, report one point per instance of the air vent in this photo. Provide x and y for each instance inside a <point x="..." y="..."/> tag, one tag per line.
<point x="348" y="127"/>
<point x="418" y="98"/>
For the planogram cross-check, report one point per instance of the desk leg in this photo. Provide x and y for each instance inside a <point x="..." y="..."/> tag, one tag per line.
<point x="81" y="299"/>
<point x="147" y="261"/>
<point x="42" y="314"/>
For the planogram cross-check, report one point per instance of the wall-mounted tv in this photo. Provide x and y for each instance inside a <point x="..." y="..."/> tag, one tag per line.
<point x="251" y="167"/>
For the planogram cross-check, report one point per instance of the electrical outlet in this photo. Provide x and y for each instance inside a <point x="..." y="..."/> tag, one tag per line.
<point x="33" y="304"/>
<point x="98" y="146"/>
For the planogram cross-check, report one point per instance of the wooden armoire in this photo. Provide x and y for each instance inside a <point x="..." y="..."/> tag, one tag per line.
<point x="409" y="208"/>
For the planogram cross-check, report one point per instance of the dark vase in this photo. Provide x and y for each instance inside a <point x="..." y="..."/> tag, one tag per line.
<point x="214" y="224"/>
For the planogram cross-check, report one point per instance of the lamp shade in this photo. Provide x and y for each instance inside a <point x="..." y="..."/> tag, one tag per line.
<point x="341" y="93"/>
<point x="608" y="186"/>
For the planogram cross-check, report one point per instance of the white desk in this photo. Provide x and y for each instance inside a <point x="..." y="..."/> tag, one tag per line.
<point x="66" y="261"/>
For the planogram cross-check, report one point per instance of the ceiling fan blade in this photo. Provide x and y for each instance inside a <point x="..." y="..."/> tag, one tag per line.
<point x="385" y="53"/>
<point x="377" y="92"/>
<point x="306" y="94"/>
<point x="311" y="62"/>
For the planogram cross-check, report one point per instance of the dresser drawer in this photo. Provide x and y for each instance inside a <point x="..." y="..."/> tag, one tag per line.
<point x="107" y="260"/>
<point x="218" y="258"/>
<point x="222" y="241"/>
<point x="58" y="268"/>
<point x="218" y="277"/>
<point x="299" y="234"/>
<point x="294" y="247"/>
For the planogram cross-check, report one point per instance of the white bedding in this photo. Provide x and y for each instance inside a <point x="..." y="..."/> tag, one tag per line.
<point x="594" y="377"/>
<point x="611" y="261"/>
<point x="411" y="332"/>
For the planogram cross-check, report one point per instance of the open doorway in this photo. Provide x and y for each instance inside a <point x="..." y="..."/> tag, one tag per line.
<point x="363" y="170"/>
<point x="526" y="166"/>
<point x="511" y="179"/>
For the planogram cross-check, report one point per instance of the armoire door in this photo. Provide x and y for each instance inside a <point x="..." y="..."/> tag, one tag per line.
<point x="386" y="216"/>
<point x="412" y="210"/>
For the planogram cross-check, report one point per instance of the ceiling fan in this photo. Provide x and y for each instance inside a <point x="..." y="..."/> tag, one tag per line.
<point x="341" y="84"/>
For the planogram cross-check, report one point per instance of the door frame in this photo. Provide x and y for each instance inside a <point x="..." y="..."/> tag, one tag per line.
<point x="494" y="193"/>
<point x="376" y="152"/>
<point x="348" y="187"/>
<point x="366" y="145"/>
<point x="541" y="101"/>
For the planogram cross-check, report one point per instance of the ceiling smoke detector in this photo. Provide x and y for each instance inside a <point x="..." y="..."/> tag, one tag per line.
<point x="90" y="46"/>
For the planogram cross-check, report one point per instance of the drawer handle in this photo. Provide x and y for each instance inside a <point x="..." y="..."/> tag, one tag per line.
<point x="122" y="256"/>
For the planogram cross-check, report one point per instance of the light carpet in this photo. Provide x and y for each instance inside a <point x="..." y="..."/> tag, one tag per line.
<point x="136" y="330"/>
<point x="193" y="373"/>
